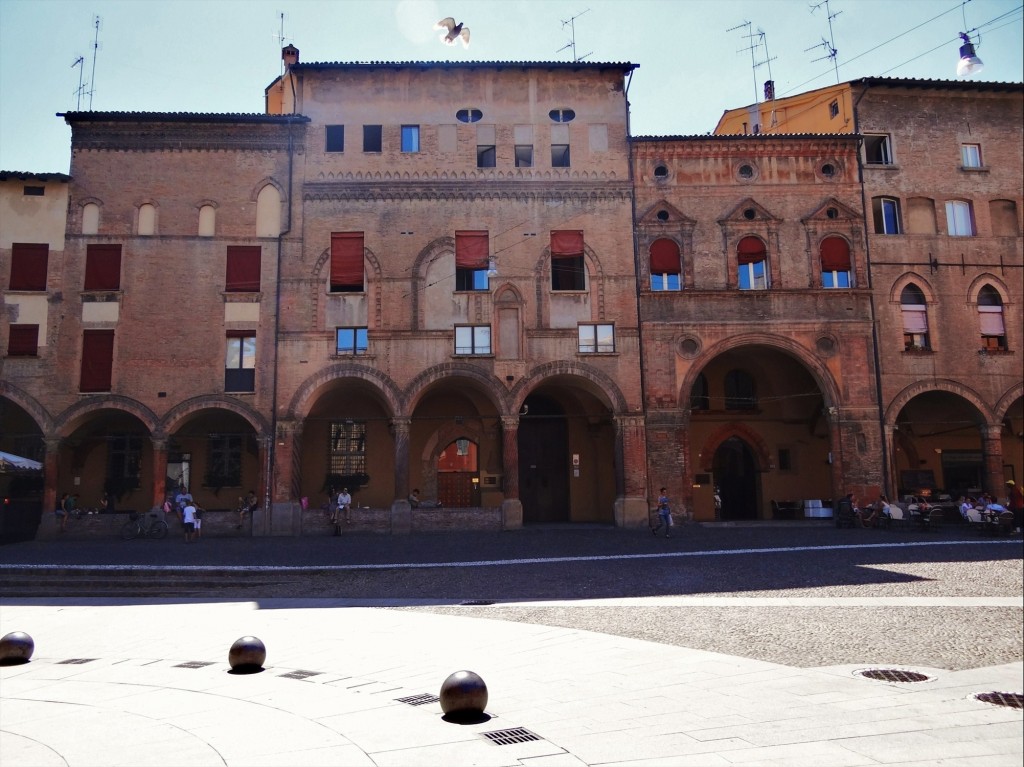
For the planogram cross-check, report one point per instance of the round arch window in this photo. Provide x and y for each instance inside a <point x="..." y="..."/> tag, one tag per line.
<point x="661" y="171"/>
<point x="746" y="172"/>
<point x="663" y="215"/>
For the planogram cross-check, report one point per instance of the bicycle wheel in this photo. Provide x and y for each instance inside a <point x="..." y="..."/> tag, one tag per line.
<point x="158" y="530"/>
<point x="129" y="530"/>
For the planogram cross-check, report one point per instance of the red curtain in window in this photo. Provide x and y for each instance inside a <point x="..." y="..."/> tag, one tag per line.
<point x="471" y="250"/>
<point x="28" y="265"/>
<point x="664" y="257"/>
<point x="103" y="267"/>
<point x="751" y="250"/>
<point x="243" y="269"/>
<point x="346" y="260"/>
<point x="567" y="243"/>
<point x="835" y="255"/>
<point x="23" y="341"/>
<point x="97" y="360"/>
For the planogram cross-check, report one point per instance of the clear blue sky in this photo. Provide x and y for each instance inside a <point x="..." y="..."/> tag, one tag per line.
<point x="219" y="55"/>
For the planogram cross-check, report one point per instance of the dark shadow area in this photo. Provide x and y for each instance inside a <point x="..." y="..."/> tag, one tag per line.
<point x="246" y="670"/>
<point x="467" y="717"/>
<point x="13" y="661"/>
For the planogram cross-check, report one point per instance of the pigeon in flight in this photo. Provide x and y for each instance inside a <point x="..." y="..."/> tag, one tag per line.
<point x="453" y="32"/>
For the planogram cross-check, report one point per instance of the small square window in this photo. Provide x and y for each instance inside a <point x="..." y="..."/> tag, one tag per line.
<point x="833" y="109"/>
<point x="524" y="156"/>
<point x="372" y="138"/>
<point x="334" y="138"/>
<point x="560" y="156"/>
<point x="472" y="339"/>
<point x="877" y="150"/>
<point x="35" y="191"/>
<point x="486" y="156"/>
<point x="596" y="339"/>
<point x="351" y="341"/>
<point x="410" y="138"/>
<point x="971" y="155"/>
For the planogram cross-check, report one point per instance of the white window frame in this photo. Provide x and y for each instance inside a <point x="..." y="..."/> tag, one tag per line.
<point x="884" y="142"/>
<point x="595" y="338"/>
<point x="472" y="340"/>
<point x="970" y="155"/>
<point x="959" y="218"/>
<point x="360" y="341"/>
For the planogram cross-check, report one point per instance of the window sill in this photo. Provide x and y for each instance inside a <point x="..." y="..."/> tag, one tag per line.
<point x="239" y="392"/>
<point x="242" y="297"/>
<point x="597" y="354"/>
<point x="974" y="169"/>
<point x="487" y="356"/>
<point x="353" y="355"/>
<point x="918" y="352"/>
<point x="881" y="166"/>
<point x="100" y="296"/>
<point x="994" y="352"/>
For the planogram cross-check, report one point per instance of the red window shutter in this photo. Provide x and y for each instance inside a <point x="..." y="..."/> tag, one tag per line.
<point x="346" y="260"/>
<point x="751" y="250"/>
<point x="23" y="341"/>
<point x="664" y="257"/>
<point x="471" y="249"/>
<point x="243" y="269"/>
<point x="97" y="360"/>
<point x="28" y="265"/>
<point x="103" y="267"/>
<point x="835" y="255"/>
<point x="567" y="243"/>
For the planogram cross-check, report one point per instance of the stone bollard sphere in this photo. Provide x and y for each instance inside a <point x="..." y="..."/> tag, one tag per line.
<point x="247" y="653"/>
<point x="16" y="647"/>
<point x="463" y="692"/>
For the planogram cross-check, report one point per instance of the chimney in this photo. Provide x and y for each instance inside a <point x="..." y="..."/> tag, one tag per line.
<point x="769" y="89"/>
<point x="290" y="55"/>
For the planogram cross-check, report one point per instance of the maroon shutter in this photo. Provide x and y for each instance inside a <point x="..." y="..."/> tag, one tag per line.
<point x="664" y="257"/>
<point x="835" y="255"/>
<point x="28" y="265"/>
<point x="751" y="250"/>
<point x="23" y="341"/>
<point x="347" y="261"/>
<point x="103" y="267"/>
<point x="567" y="243"/>
<point x="243" y="269"/>
<point x="471" y="250"/>
<point x="97" y="360"/>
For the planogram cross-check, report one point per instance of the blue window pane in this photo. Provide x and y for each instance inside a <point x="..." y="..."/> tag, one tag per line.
<point x="751" y="276"/>
<point x="410" y="138"/>
<point x="362" y="340"/>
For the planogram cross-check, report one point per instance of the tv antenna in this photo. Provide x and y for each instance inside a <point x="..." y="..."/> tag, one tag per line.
<point x="830" y="44"/>
<point x="279" y="36"/>
<point x="96" y="23"/>
<point x="761" y="40"/>
<point x="79" y="62"/>
<point x="572" y="41"/>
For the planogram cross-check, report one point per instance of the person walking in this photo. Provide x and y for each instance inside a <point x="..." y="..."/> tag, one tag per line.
<point x="664" y="514"/>
<point x="62" y="511"/>
<point x="1016" y="504"/>
<point x="188" y="518"/>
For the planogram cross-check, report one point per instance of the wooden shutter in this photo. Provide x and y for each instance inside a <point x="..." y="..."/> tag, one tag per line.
<point x="28" y="265"/>
<point x="471" y="250"/>
<point x="567" y="243"/>
<point x="347" y="261"/>
<point x="103" y="267"/>
<point x="97" y="360"/>
<point x="23" y="341"/>
<point x="243" y="269"/>
<point x="664" y="257"/>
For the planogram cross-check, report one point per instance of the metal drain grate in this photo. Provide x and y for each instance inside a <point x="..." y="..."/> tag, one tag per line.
<point x="300" y="674"/>
<point x="73" y="661"/>
<point x="894" y="675"/>
<point x="1009" y="699"/>
<point x="419" y="700"/>
<point x="510" y="736"/>
<point x="195" y="664"/>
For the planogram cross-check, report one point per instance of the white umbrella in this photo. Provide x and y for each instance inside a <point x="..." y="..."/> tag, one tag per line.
<point x="10" y="461"/>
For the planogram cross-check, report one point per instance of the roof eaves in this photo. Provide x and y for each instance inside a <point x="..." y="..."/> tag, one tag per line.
<point x="18" y="175"/>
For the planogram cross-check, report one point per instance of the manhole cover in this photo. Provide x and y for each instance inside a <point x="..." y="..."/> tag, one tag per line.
<point x="300" y="674"/>
<point x="194" y="664"/>
<point x="70" y="661"/>
<point x="419" y="700"/>
<point x="893" y="675"/>
<point x="510" y="736"/>
<point x="1009" y="699"/>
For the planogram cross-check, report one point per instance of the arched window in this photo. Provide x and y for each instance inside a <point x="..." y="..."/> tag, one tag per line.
<point x="915" y="319"/>
<point x="835" y="263"/>
<point x="207" y="221"/>
<point x="699" y="399"/>
<point x="665" y="265"/>
<point x="740" y="393"/>
<point x="990" y="317"/>
<point x="751" y="259"/>
<point x="90" y="218"/>
<point x="147" y="220"/>
<point x="268" y="212"/>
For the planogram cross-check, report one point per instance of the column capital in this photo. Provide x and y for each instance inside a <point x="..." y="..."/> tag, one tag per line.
<point x="509" y="422"/>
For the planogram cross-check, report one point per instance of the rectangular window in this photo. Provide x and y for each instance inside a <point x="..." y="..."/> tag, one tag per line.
<point x="835" y="279"/>
<point x="833" y="110"/>
<point x="346" y="451"/>
<point x="886" y="211"/>
<point x="568" y="270"/>
<point x="410" y="138"/>
<point x="970" y="154"/>
<point x="472" y="250"/>
<point x="23" y="341"/>
<point x="242" y="271"/>
<point x="785" y="459"/>
<point x="993" y="328"/>
<point x="596" y="338"/>
<point x="752" y="276"/>
<point x="346" y="262"/>
<point x="97" y="360"/>
<point x="34" y="191"/>
<point x="351" y="341"/>
<point x="334" y="138"/>
<point x="240" y="362"/>
<point x="373" y="138"/>
<point x="102" y="267"/>
<point x="28" y="265"/>
<point x="472" y="339"/>
<point x="486" y="156"/>
<point x="877" y="150"/>
<point x="223" y="461"/>
<point x="665" y="281"/>
<point x="959" y="221"/>
<point x="559" y="155"/>
<point x="124" y="461"/>
<point x="524" y="156"/>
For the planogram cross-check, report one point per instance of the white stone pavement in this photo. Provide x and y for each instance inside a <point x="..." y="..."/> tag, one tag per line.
<point x="590" y="699"/>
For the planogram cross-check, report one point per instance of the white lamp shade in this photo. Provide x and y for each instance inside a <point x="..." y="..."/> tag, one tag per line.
<point x="969" y="63"/>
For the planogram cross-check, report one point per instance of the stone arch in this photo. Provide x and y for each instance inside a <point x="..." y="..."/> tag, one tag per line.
<point x="1008" y="399"/>
<point x="299" y="405"/>
<point x="29" y="404"/>
<point x="911" y="277"/>
<point x="600" y="383"/>
<point x="173" y="418"/>
<point x="422" y="383"/>
<point x="727" y="431"/>
<point x="903" y="398"/>
<point x="988" y="279"/>
<point x="70" y="419"/>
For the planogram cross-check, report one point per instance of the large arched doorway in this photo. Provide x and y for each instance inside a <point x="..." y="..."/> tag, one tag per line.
<point x="543" y="461"/>
<point x="21" y="476"/>
<point x="736" y="477"/>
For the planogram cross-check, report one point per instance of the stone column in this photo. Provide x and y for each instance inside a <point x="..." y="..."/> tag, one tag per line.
<point x="159" y="447"/>
<point x="511" y="505"/>
<point x="261" y="517"/>
<point x="401" y="511"/>
<point x="630" y="471"/>
<point x="992" y="450"/>
<point x="51" y="484"/>
<point x="284" y="517"/>
<point x="889" y="435"/>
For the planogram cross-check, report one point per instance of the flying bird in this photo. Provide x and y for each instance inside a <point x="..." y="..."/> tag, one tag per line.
<point x="453" y="32"/>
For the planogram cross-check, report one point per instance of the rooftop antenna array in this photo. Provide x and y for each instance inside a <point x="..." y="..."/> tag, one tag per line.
<point x="830" y="44"/>
<point x="762" y="40"/>
<point x="79" y="62"/>
<point x="572" y="41"/>
<point x="279" y="36"/>
<point x="96" y="23"/>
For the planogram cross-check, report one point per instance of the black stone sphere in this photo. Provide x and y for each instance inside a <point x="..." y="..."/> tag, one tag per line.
<point x="462" y="693"/>
<point x="16" y="647"/>
<point x="247" y="653"/>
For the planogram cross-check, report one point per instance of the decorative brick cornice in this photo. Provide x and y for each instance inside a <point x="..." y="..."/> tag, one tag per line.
<point x="468" y="188"/>
<point x="176" y="136"/>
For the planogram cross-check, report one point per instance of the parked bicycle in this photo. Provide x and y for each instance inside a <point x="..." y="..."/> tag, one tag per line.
<point x="147" y="525"/>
